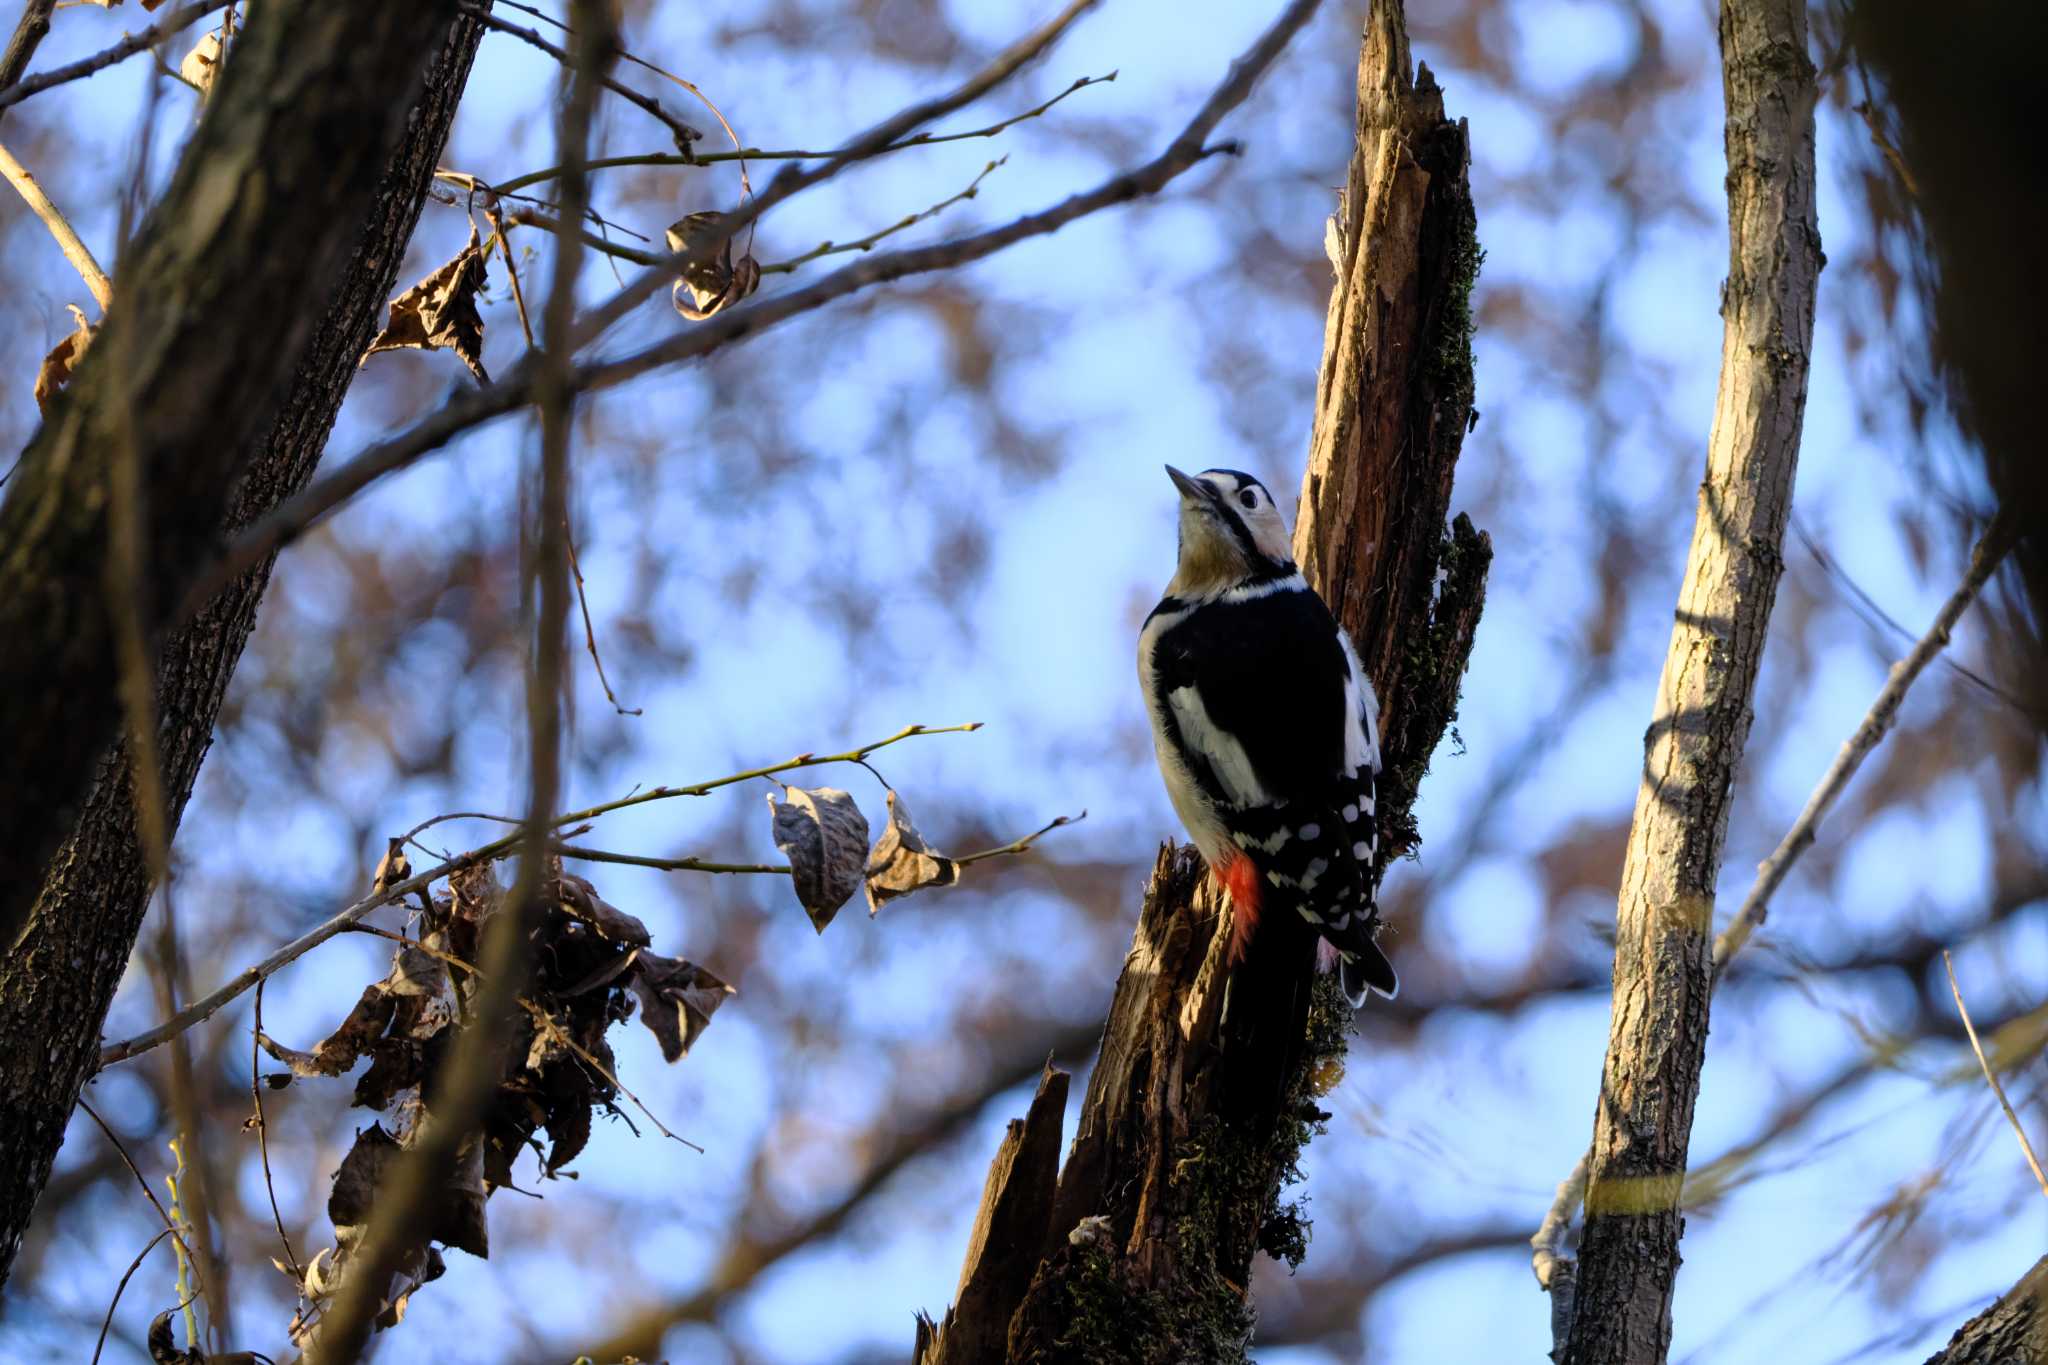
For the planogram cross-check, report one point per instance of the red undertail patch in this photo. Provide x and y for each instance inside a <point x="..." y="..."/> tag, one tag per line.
<point x="1241" y="879"/>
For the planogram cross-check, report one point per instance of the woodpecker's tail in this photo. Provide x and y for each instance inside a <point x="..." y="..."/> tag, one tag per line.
<point x="1366" y="971"/>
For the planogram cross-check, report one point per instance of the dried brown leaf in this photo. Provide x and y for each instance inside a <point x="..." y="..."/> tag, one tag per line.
<point x="825" y="838"/>
<point x="202" y="64"/>
<point x="63" y="359"/>
<point x="163" y="1345"/>
<point x="580" y="899"/>
<point x="677" y="1000"/>
<point x="902" y="862"/>
<point x="339" y="1050"/>
<point x="715" y="284"/>
<point x="439" y="313"/>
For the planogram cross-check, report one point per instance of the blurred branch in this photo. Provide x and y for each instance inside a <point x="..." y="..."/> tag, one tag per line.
<point x="29" y="32"/>
<point x="1663" y="965"/>
<point x="1876" y="722"/>
<point x="204" y="1009"/>
<point x="2033" y="1162"/>
<point x="465" y="1083"/>
<point x="121" y="51"/>
<point x="75" y="251"/>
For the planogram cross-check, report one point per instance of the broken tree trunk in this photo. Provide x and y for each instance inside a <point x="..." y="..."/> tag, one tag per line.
<point x="56" y="986"/>
<point x="1663" y="956"/>
<point x="1192" y="1125"/>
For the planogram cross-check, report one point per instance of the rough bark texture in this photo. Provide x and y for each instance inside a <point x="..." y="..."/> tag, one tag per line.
<point x="1205" y="1089"/>
<point x="213" y="309"/>
<point x="2013" y="1331"/>
<point x="1663" y="960"/>
<point x="55" y="988"/>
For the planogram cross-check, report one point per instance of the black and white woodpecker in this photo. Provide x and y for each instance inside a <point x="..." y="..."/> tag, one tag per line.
<point x="1266" y="727"/>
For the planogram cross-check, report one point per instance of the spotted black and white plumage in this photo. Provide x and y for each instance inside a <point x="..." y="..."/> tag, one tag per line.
<point x="1266" y="727"/>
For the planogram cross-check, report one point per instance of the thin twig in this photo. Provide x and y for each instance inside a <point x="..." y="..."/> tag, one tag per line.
<point x="496" y="217"/>
<point x="263" y="1138"/>
<point x="75" y="250"/>
<point x="589" y="633"/>
<point x="1771" y="873"/>
<point x="126" y="1276"/>
<point x="121" y="51"/>
<point x="556" y="1032"/>
<point x="757" y="154"/>
<point x="2033" y="1162"/>
<point x="868" y="242"/>
<point x="201" y="1010"/>
<point x="1019" y="845"/>
<point x="129" y="1161"/>
<point x="599" y="855"/>
<point x="682" y="132"/>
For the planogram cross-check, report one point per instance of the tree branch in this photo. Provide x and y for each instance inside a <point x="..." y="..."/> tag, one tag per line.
<point x="14" y="94"/>
<point x="1663" y="966"/>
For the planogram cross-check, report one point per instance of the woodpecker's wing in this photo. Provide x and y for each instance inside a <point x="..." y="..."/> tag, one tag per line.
<point x="1252" y="691"/>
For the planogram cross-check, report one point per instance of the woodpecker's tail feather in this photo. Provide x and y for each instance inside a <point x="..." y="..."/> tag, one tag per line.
<point x="1366" y="971"/>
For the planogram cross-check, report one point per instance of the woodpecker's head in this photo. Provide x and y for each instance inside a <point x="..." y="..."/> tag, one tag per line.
<point x="1230" y="532"/>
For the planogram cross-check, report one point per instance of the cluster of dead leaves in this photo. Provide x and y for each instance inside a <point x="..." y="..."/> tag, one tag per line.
<point x="590" y="963"/>
<point x="825" y="838"/>
<point x="63" y="359"/>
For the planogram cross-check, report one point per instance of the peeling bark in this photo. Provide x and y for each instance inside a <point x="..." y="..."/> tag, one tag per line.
<point x="89" y="899"/>
<point x="1663" y="963"/>
<point x="1196" y="1115"/>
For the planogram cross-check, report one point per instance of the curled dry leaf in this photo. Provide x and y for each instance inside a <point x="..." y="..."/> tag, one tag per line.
<point x="393" y="868"/>
<point x="439" y="313"/>
<point x="901" y="862"/>
<point x="825" y="838"/>
<point x="163" y="1344"/>
<point x="715" y="284"/>
<point x="677" y="1000"/>
<point x="580" y="899"/>
<point x="202" y="64"/>
<point x="63" y="359"/>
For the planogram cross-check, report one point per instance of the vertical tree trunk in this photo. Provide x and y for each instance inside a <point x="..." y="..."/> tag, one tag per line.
<point x="213" y="309"/>
<point x="1663" y="950"/>
<point x="56" y="985"/>
<point x="1192" y="1125"/>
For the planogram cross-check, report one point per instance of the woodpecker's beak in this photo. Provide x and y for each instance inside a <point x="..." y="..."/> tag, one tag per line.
<point x="1189" y="487"/>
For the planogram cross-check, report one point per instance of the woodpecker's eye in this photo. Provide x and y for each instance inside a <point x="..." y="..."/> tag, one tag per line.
<point x="1248" y="498"/>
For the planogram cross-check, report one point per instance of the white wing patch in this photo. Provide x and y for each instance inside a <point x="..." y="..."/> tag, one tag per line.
<point x="1224" y="751"/>
<point x="1361" y="713"/>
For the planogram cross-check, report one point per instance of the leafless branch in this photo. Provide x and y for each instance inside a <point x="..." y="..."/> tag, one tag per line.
<point x="683" y="133"/>
<point x="867" y="243"/>
<point x="293" y="517"/>
<point x="75" y="250"/>
<point x="589" y="631"/>
<point x="121" y="51"/>
<point x="2033" y="1162"/>
<point x="1771" y="873"/>
<point x="126" y="1276"/>
<point x="263" y="1134"/>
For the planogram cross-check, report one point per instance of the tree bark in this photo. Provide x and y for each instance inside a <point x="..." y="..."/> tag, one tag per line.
<point x="1196" y="1113"/>
<point x="1663" y="961"/>
<point x="2013" y="1331"/>
<point x="213" y="309"/>
<point x="89" y="902"/>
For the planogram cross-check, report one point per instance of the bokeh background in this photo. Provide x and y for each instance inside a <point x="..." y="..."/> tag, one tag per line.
<point x="942" y="501"/>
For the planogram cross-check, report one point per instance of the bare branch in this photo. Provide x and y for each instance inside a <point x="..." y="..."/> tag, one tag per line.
<point x="1771" y="873"/>
<point x="75" y="250"/>
<point x="2033" y="1162"/>
<point x="683" y="133"/>
<point x="119" y="52"/>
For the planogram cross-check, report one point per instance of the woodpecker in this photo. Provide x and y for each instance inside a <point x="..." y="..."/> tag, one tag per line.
<point x="1266" y="727"/>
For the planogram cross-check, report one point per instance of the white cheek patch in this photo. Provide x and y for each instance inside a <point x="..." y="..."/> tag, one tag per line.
<point x="1224" y="751"/>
